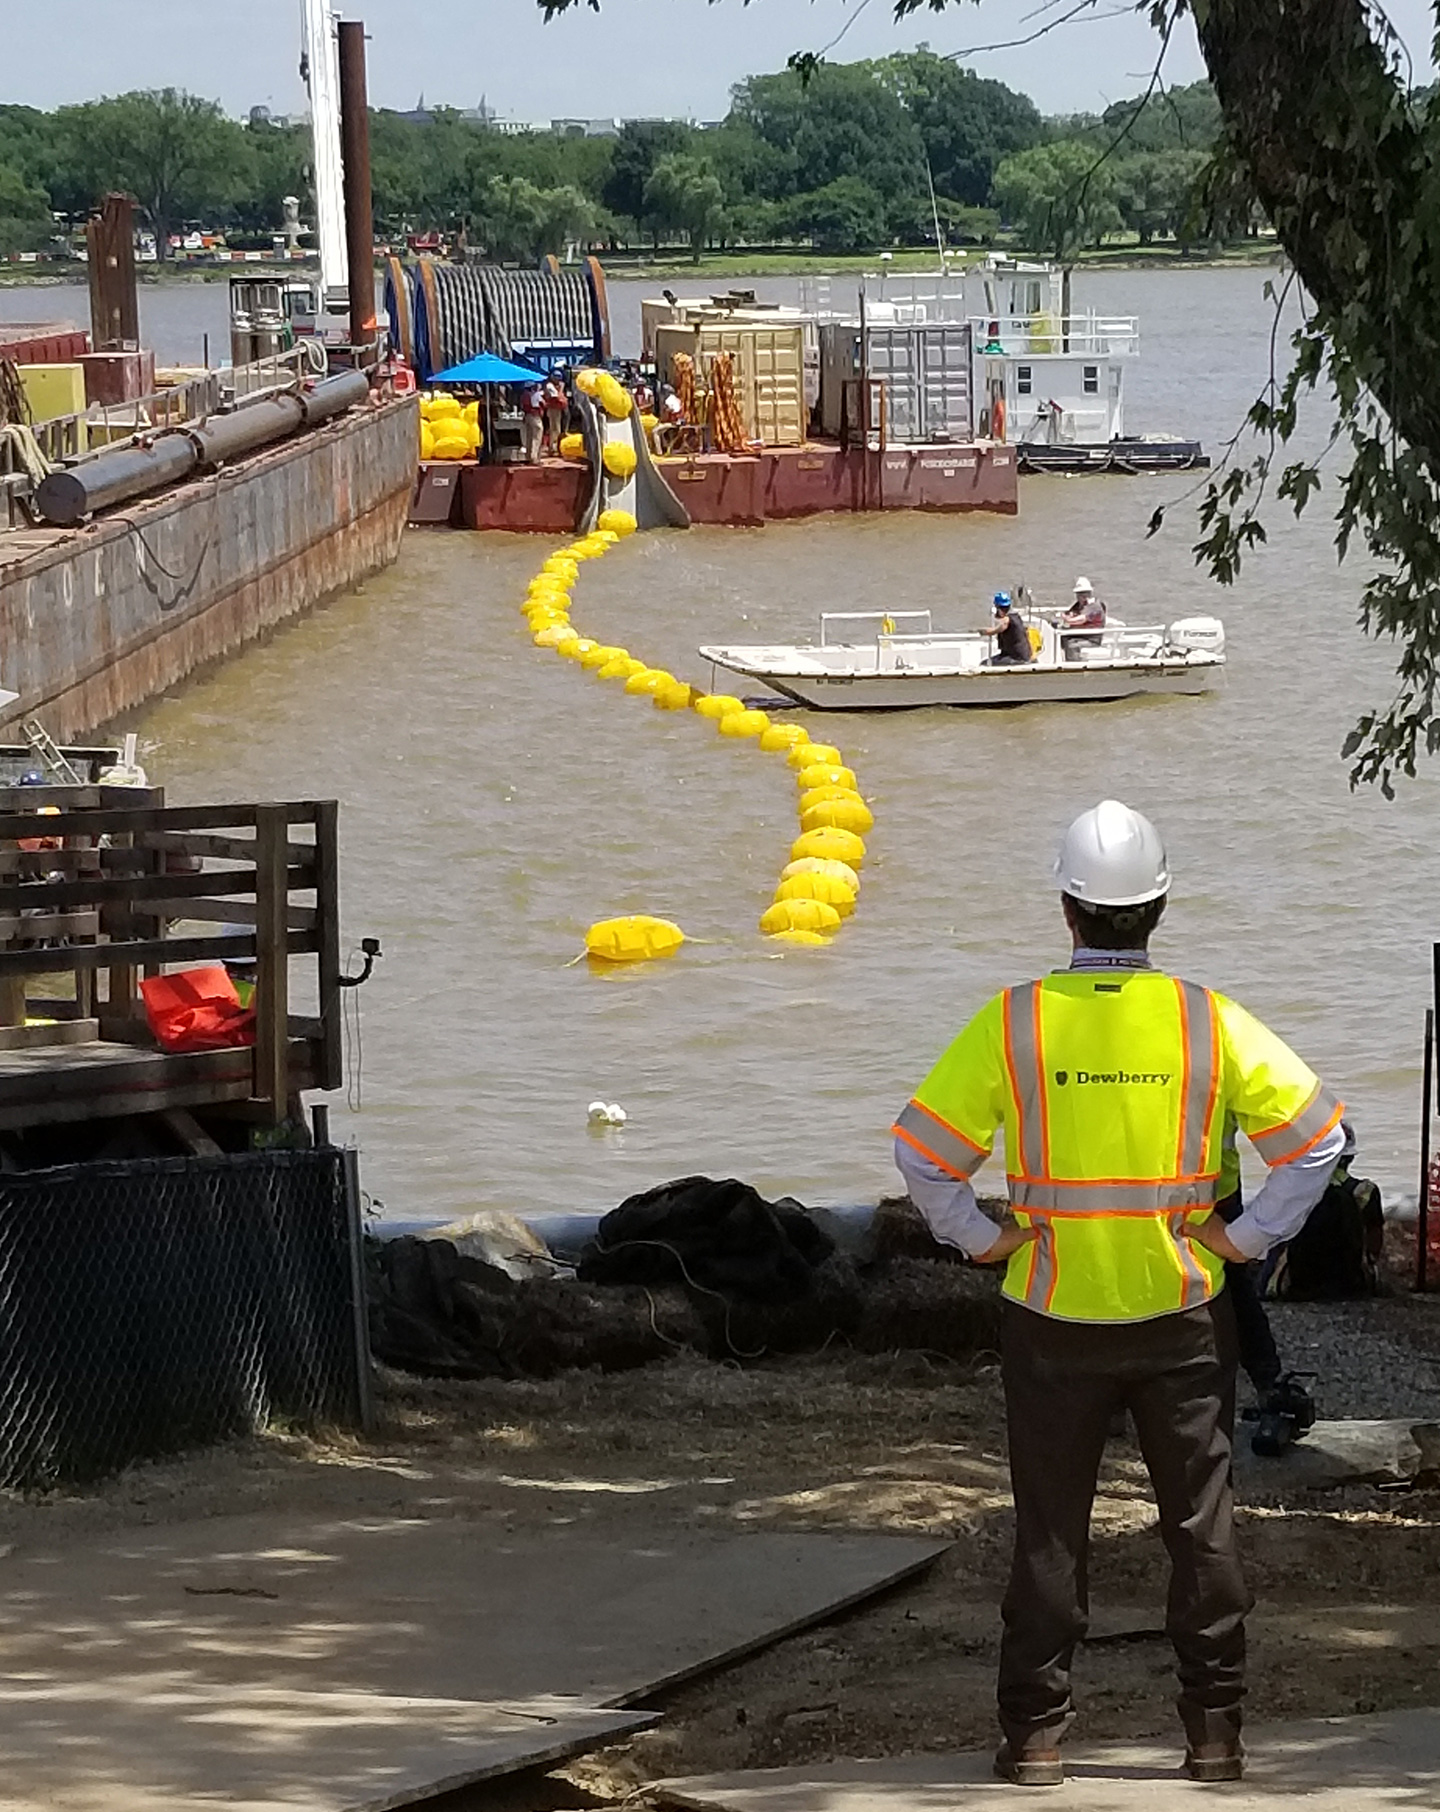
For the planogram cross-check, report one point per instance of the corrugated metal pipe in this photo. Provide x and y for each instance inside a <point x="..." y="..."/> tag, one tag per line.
<point x="67" y="497"/>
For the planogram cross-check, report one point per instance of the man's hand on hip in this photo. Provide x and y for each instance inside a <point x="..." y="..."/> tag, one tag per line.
<point x="1212" y="1235"/>
<point x="1012" y="1237"/>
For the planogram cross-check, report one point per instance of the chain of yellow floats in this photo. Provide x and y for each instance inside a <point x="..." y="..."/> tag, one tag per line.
<point x="820" y="885"/>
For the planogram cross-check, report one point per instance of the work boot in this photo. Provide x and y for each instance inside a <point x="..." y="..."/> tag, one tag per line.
<point x="1033" y="1763"/>
<point x="1283" y="1414"/>
<point x="1212" y="1762"/>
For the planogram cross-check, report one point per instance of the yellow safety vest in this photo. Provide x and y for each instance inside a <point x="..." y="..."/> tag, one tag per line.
<point x="1112" y="1087"/>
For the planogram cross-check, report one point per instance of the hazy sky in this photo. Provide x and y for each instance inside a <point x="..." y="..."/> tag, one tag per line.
<point x="636" y="57"/>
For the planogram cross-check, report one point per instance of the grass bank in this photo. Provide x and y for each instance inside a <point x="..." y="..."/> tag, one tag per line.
<point x="732" y="266"/>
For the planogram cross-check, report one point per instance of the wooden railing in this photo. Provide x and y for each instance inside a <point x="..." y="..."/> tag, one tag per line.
<point x="120" y="892"/>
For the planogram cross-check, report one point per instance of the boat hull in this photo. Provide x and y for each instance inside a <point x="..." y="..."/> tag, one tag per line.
<point x="987" y="687"/>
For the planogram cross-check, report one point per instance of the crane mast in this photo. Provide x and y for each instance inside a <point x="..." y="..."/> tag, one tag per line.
<point x="322" y="76"/>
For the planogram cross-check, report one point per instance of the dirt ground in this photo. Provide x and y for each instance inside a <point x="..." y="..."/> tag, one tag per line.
<point x="1347" y="1581"/>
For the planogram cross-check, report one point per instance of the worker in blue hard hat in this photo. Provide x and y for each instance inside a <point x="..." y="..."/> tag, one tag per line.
<point x="1012" y="646"/>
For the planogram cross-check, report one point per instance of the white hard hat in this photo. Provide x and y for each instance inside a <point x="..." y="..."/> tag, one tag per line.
<point x="1082" y="584"/>
<point x="1112" y="856"/>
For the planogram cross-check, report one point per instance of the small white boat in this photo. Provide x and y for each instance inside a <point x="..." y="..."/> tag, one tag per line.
<point x="906" y="662"/>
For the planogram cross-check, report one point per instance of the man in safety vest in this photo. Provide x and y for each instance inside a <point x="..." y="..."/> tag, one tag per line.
<point x="1112" y="1081"/>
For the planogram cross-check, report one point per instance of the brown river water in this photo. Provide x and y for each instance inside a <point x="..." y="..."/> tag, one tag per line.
<point x="496" y="799"/>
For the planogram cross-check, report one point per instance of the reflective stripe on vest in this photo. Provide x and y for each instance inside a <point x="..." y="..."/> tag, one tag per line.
<point x="937" y="1140"/>
<point x="1113" y="1248"/>
<point x="1283" y="1144"/>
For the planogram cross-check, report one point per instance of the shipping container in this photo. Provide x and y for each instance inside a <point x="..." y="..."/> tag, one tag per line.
<point x="925" y="371"/>
<point x="769" y="372"/>
<point x="694" y="311"/>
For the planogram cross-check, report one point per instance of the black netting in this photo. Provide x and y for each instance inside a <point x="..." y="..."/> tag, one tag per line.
<point x="159" y="1303"/>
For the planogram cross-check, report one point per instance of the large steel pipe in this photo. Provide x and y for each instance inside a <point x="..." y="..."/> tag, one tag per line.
<point x="67" y="497"/>
<point x="359" y="204"/>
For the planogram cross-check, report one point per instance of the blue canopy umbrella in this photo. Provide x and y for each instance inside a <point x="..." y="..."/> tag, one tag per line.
<point x="487" y="368"/>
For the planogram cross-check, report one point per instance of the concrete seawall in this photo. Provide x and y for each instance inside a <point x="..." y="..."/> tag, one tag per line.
<point x="98" y="620"/>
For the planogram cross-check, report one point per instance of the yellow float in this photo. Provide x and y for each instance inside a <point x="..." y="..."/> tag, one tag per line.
<point x="819" y="887"/>
<point x="813" y="754"/>
<point x="633" y="940"/>
<point x="824" y="774"/>
<point x="818" y="865"/>
<point x="621" y="667"/>
<point x="601" y="654"/>
<point x="799" y="915"/>
<point x="830" y="842"/>
<point x="841" y="814"/>
<point x="618" y="459"/>
<point x="784" y="736"/>
<point x="613" y="397"/>
<point x="717" y="704"/>
<point x="587" y="380"/>
<point x="743" y="723"/>
<point x="448" y="443"/>
<point x="572" y="446"/>
<point x="818" y="794"/>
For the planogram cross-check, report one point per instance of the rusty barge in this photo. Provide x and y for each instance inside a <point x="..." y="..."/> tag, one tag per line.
<point x="99" y="618"/>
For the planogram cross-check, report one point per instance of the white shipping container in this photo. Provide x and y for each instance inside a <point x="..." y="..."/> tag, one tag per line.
<point x="925" y="371"/>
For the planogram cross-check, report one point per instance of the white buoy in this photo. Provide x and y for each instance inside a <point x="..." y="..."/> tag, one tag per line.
<point x="615" y="1115"/>
<point x="598" y="1113"/>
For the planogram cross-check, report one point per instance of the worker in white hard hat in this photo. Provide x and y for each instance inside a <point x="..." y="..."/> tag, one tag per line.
<point x="1113" y="1082"/>
<point x="1081" y="624"/>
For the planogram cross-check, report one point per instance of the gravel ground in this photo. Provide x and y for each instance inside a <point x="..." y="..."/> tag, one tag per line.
<point x="1360" y="1369"/>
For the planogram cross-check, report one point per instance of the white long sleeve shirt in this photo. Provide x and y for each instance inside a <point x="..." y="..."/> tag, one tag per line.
<point x="1277" y="1213"/>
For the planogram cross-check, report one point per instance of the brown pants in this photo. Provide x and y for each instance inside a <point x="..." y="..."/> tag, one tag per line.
<point x="1064" y="1381"/>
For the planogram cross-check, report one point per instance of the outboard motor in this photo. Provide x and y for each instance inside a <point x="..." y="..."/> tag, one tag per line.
<point x="1198" y="635"/>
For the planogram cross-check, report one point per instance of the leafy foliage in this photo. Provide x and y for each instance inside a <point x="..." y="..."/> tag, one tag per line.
<point x="967" y="125"/>
<point x="516" y="219"/>
<point x="1322" y="131"/>
<point x="641" y="145"/>
<point x="1063" y="199"/>
<point x="685" y="192"/>
<point x="25" y="221"/>
<point x="176" y="153"/>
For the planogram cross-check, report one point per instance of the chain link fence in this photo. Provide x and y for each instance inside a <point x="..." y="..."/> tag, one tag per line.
<point x="155" y="1304"/>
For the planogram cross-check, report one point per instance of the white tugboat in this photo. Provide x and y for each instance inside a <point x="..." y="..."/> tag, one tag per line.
<point x="897" y="660"/>
<point x="998" y="353"/>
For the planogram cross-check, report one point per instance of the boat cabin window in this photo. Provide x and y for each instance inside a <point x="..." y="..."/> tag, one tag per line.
<point x="1022" y="380"/>
<point x="1092" y="380"/>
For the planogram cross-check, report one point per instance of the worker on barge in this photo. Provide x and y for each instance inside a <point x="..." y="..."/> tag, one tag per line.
<point x="1113" y="1082"/>
<point x="1082" y="625"/>
<point x="1012" y="648"/>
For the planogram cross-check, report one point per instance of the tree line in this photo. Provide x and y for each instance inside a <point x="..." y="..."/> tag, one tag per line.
<point x="841" y="157"/>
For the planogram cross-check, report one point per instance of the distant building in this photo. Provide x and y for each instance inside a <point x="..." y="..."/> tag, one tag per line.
<point x="585" y="128"/>
<point x="421" y="115"/>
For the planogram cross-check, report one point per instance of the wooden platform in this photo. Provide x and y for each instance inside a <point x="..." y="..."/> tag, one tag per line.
<point x="101" y="887"/>
<point x="53" y="1083"/>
